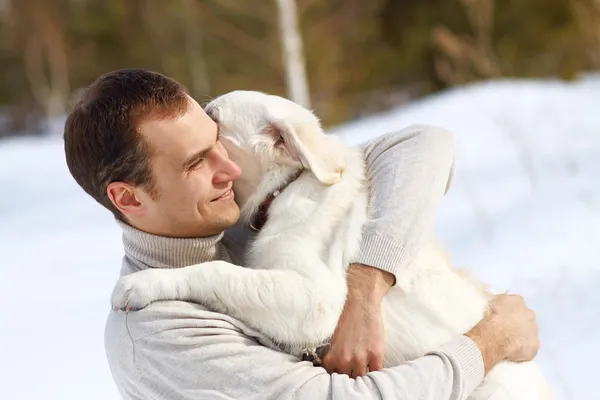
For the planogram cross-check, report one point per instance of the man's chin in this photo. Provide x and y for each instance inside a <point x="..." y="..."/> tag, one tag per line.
<point x="230" y="216"/>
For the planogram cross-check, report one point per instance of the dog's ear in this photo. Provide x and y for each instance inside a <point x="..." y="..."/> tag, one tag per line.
<point x="311" y="148"/>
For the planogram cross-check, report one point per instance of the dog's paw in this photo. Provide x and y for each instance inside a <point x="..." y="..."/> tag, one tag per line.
<point x="137" y="290"/>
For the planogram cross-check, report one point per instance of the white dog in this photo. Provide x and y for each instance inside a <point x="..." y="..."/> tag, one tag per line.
<point x="294" y="288"/>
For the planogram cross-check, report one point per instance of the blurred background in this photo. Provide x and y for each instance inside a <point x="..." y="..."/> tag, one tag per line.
<point x="518" y="82"/>
<point x="359" y="56"/>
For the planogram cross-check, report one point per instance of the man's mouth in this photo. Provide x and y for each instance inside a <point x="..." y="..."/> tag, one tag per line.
<point x="228" y="195"/>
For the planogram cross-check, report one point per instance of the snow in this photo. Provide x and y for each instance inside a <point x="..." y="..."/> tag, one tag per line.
<point x="523" y="212"/>
<point x="59" y="255"/>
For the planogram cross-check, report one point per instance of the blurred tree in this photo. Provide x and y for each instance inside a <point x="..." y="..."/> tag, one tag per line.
<point x="360" y="57"/>
<point x="193" y="39"/>
<point x="587" y="18"/>
<point x="35" y="34"/>
<point x="464" y="59"/>
<point x="293" y="53"/>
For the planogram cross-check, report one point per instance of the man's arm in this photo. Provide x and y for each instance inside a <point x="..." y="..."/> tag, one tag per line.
<point x="410" y="171"/>
<point x="184" y="352"/>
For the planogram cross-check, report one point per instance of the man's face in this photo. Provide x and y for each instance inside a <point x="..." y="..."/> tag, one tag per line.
<point x="193" y="177"/>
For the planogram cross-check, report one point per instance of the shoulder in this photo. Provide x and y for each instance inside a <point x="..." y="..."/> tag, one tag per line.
<point x="132" y="336"/>
<point x="163" y="316"/>
<point x="165" y="324"/>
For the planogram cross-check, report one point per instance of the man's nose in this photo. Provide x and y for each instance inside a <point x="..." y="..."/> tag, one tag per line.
<point x="226" y="170"/>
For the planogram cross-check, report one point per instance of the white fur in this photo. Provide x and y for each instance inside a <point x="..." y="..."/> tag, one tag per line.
<point x="295" y="286"/>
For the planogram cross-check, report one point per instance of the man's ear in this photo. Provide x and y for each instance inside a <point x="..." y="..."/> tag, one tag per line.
<point x="125" y="198"/>
<point x="310" y="147"/>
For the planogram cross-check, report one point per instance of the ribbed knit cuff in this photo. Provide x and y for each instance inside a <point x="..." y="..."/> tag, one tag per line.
<point x="382" y="253"/>
<point x="468" y="356"/>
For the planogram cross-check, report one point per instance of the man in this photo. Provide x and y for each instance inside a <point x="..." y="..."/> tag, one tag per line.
<point x="145" y="150"/>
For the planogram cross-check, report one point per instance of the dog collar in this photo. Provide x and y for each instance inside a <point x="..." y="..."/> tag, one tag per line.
<point x="260" y="218"/>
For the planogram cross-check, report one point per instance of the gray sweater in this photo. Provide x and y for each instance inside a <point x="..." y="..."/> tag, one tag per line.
<point x="180" y="350"/>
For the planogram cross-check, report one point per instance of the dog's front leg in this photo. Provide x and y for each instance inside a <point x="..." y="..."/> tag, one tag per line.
<point x="281" y="303"/>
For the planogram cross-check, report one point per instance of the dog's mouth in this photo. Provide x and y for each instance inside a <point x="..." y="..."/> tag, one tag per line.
<point x="260" y="218"/>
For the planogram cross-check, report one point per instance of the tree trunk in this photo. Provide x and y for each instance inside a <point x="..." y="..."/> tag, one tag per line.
<point x="200" y="83"/>
<point x="293" y="53"/>
<point x="46" y="65"/>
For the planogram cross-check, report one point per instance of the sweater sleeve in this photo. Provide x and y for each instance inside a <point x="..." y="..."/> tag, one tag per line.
<point x="409" y="171"/>
<point x="193" y="360"/>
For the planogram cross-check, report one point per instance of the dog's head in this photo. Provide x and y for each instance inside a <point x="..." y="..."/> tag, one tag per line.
<point x="271" y="138"/>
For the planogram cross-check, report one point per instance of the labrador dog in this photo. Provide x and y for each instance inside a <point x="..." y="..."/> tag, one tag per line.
<point x="314" y="191"/>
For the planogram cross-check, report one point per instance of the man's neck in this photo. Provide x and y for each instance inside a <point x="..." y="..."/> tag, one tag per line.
<point x="168" y="252"/>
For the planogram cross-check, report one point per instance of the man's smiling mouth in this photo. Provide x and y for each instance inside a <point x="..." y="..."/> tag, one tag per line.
<point x="225" y="196"/>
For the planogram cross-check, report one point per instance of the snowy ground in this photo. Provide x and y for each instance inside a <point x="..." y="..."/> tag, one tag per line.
<point x="523" y="211"/>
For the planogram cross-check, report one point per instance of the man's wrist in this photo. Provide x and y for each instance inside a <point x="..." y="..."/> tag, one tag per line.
<point x="368" y="282"/>
<point x="491" y="348"/>
<point x="467" y="355"/>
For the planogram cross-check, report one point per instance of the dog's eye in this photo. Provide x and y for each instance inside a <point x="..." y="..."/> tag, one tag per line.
<point x="275" y="134"/>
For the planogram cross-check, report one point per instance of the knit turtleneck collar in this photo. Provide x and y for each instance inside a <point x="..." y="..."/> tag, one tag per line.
<point x="169" y="252"/>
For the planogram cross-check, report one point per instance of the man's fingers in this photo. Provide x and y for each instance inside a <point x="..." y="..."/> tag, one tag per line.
<point x="338" y="364"/>
<point x="359" y="364"/>
<point x="353" y="365"/>
<point x="359" y="370"/>
<point x="376" y="364"/>
<point x="330" y="369"/>
<point x="375" y="358"/>
<point x="346" y="365"/>
<point x="328" y="365"/>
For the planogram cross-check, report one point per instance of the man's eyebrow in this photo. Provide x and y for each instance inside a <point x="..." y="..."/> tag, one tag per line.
<point x="191" y="160"/>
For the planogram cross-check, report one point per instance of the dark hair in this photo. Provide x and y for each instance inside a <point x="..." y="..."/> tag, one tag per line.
<point x="102" y="142"/>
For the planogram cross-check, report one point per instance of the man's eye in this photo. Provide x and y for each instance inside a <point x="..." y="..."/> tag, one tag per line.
<point x="197" y="163"/>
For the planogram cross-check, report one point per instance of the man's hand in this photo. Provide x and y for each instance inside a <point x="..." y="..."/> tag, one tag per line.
<point x="358" y="342"/>
<point x="508" y="332"/>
